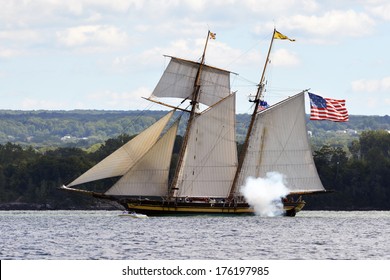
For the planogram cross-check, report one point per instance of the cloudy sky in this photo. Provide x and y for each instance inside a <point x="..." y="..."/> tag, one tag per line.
<point x="106" y="54"/>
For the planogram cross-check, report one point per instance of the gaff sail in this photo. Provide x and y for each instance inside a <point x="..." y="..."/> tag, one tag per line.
<point x="279" y="142"/>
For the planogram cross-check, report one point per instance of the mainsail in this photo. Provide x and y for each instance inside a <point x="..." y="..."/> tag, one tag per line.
<point x="210" y="158"/>
<point x="279" y="142"/>
<point x="119" y="162"/>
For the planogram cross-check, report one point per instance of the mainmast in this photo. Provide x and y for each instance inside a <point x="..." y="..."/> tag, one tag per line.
<point x="259" y="97"/>
<point x="194" y="103"/>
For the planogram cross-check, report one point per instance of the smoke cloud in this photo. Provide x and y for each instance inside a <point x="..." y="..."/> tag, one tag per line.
<point x="265" y="194"/>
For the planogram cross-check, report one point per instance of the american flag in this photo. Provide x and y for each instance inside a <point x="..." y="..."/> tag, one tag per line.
<point x="327" y="109"/>
<point x="263" y="105"/>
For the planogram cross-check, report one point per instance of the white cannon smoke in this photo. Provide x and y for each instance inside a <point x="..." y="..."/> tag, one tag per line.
<point x="265" y="194"/>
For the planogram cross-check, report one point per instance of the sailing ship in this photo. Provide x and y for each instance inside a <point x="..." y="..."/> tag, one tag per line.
<point x="209" y="171"/>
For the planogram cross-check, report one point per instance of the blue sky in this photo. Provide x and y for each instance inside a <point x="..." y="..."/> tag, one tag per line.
<point x="107" y="54"/>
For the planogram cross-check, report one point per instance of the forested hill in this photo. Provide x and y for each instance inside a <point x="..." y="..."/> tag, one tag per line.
<point x="58" y="128"/>
<point x="87" y="127"/>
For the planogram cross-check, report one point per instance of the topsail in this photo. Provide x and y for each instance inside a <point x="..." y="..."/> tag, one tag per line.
<point x="179" y="78"/>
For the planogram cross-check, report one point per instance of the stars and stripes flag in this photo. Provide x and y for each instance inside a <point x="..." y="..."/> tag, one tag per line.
<point x="263" y="105"/>
<point x="327" y="109"/>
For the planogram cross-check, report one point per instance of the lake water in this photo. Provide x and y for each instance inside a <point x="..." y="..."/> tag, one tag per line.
<point x="91" y="235"/>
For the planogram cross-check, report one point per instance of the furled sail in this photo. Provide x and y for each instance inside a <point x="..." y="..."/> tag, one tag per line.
<point x="119" y="162"/>
<point x="179" y="78"/>
<point x="149" y="176"/>
<point x="279" y="142"/>
<point x="210" y="159"/>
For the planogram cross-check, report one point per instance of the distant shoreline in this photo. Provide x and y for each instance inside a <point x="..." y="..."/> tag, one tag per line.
<point x="42" y="207"/>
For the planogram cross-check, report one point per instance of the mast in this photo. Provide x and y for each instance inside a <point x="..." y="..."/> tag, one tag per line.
<point x="258" y="98"/>
<point x="194" y="103"/>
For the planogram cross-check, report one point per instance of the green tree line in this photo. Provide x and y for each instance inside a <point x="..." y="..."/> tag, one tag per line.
<point x="359" y="177"/>
<point x="358" y="174"/>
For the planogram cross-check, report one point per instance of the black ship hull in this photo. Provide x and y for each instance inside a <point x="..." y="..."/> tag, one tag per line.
<point x="161" y="208"/>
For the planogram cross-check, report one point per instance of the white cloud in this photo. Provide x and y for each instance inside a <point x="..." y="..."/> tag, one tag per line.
<point x="94" y="17"/>
<point x="20" y="35"/>
<point x="29" y="11"/>
<point x="103" y="100"/>
<point x="8" y="52"/>
<point x="34" y="104"/>
<point x="93" y="35"/>
<point x="197" y="5"/>
<point x="379" y="8"/>
<point x="332" y="24"/>
<point x="219" y="54"/>
<point x="17" y="42"/>
<point x="372" y="85"/>
<point x="271" y="7"/>
<point x="283" y="57"/>
<point x="119" y="100"/>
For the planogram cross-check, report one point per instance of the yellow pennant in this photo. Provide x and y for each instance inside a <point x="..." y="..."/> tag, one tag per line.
<point x="279" y="35"/>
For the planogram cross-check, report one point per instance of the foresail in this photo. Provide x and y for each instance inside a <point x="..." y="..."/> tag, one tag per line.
<point x="279" y="142"/>
<point x="210" y="160"/>
<point x="149" y="176"/>
<point x="119" y="162"/>
<point x="179" y="78"/>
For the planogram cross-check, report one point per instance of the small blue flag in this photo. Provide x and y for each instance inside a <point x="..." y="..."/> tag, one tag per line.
<point x="263" y="105"/>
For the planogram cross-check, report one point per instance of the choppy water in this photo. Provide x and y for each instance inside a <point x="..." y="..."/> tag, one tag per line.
<point x="105" y="235"/>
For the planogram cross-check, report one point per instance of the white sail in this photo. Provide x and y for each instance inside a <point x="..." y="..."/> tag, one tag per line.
<point x="210" y="160"/>
<point x="149" y="176"/>
<point x="279" y="142"/>
<point x="119" y="162"/>
<point x="178" y="81"/>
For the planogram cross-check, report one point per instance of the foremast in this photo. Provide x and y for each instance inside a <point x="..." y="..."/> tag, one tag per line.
<point x="194" y="103"/>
